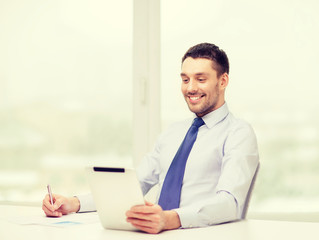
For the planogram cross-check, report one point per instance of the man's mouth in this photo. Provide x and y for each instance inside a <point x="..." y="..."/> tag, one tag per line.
<point x="195" y="99"/>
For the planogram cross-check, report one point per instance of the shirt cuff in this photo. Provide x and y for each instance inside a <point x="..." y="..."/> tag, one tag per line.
<point x="188" y="217"/>
<point x="86" y="203"/>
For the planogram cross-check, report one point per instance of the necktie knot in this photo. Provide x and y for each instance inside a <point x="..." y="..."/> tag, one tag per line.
<point x="198" y="122"/>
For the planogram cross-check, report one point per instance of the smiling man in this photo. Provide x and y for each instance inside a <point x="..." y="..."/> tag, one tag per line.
<point x="221" y="163"/>
<point x="204" y="166"/>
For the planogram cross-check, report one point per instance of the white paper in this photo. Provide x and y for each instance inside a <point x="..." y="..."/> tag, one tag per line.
<point x="75" y="219"/>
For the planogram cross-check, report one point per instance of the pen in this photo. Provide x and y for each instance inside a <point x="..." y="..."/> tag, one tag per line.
<point x="50" y="193"/>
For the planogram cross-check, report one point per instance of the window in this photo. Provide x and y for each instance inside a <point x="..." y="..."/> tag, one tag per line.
<point x="66" y="89"/>
<point x="272" y="48"/>
<point x="65" y="93"/>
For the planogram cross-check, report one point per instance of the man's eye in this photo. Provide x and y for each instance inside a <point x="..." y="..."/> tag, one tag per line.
<point x="201" y="79"/>
<point x="185" y="80"/>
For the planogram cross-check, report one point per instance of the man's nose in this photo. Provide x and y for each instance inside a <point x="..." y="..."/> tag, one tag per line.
<point x="192" y="86"/>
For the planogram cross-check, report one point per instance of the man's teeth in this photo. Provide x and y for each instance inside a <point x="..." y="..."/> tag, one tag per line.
<point x="194" y="98"/>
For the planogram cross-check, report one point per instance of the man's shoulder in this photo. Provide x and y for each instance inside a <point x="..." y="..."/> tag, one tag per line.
<point x="237" y="122"/>
<point x="239" y="125"/>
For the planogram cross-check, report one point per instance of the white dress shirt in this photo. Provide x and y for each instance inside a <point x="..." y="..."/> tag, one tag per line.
<point x="218" y="172"/>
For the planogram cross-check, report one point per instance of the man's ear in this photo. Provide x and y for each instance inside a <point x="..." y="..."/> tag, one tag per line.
<point x="224" y="79"/>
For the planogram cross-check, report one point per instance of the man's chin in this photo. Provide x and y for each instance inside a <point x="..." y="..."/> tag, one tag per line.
<point x="195" y="110"/>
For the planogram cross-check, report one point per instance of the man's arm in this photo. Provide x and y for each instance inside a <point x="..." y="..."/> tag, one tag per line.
<point x="152" y="219"/>
<point x="220" y="209"/>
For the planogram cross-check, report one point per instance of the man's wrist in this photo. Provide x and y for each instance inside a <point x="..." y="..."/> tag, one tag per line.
<point x="172" y="220"/>
<point x="75" y="203"/>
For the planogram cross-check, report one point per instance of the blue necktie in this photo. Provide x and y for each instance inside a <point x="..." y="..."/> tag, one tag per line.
<point x="171" y="190"/>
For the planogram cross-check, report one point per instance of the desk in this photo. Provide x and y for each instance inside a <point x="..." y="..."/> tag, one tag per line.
<point x="242" y="230"/>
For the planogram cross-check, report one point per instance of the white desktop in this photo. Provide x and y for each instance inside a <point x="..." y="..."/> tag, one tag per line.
<point x="16" y="223"/>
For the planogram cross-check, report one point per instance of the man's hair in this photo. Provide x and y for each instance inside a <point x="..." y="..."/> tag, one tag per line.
<point x="211" y="52"/>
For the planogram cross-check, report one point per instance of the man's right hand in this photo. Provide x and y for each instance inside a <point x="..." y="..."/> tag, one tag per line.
<point x="61" y="205"/>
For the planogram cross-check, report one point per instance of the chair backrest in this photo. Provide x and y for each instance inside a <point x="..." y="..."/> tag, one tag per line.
<point x="245" y="209"/>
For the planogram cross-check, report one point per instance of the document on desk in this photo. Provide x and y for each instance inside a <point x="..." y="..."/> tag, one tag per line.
<point x="75" y="219"/>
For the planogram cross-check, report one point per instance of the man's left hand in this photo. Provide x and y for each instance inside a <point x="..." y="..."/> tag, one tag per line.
<point x="152" y="219"/>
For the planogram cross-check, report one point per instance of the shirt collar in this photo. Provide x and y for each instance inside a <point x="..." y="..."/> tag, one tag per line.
<point x="214" y="117"/>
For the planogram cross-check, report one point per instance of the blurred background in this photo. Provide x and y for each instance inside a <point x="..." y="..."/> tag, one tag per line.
<point x="66" y="89"/>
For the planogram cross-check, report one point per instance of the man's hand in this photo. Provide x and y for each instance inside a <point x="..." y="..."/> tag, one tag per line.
<point x="152" y="219"/>
<point x="61" y="206"/>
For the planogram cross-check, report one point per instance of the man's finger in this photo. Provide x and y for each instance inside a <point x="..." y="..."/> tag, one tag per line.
<point x="146" y="229"/>
<point x="46" y="210"/>
<point x="141" y="223"/>
<point x="47" y="204"/>
<point x="134" y="215"/>
<point x="146" y="209"/>
<point x="147" y="203"/>
<point x="57" y="203"/>
<point x="50" y="213"/>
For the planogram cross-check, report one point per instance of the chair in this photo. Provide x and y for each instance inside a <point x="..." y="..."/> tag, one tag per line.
<point x="245" y="209"/>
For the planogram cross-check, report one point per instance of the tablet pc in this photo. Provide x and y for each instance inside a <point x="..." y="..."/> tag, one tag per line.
<point x="115" y="190"/>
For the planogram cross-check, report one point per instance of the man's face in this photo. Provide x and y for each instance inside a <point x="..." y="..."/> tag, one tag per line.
<point x="202" y="89"/>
